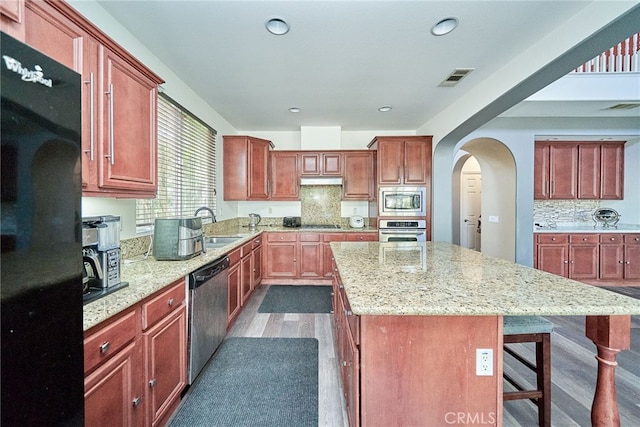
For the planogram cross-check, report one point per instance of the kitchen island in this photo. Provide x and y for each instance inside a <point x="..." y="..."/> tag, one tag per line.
<point x="417" y="312"/>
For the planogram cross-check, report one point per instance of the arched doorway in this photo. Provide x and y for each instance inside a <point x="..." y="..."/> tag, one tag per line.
<point x="497" y="199"/>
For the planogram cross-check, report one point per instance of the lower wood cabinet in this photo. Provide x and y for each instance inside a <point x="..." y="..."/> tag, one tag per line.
<point x="136" y="362"/>
<point x="589" y="256"/>
<point x="235" y="280"/>
<point x="304" y="256"/>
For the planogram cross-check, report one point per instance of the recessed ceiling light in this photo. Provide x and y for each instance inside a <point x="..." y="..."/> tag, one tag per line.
<point x="384" y="109"/>
<point x="294" y="109"/>
<point x="277" y="26"/>
<point x="444" y="26"/>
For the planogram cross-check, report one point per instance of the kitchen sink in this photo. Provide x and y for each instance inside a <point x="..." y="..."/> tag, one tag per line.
<point x="219" y="241"/>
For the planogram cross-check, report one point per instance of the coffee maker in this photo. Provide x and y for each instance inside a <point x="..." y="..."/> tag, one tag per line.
<point x="101" y="251"/>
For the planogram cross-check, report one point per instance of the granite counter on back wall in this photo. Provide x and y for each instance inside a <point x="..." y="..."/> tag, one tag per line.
<point x="437" y="278"/>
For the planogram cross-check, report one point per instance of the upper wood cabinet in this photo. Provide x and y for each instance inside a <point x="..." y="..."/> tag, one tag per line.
<point x="12" y="18"/>
<point x="285" y="175"/>
<point x="579" y="170"/>
<point x="246" y="167"/>
<point x="358" y="178"/>
<point x="321" y="163"/>
<point x="403" y="160"/>
<point x="119" y="98"/>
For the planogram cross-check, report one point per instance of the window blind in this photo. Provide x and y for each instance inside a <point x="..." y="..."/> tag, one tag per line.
<point x="186" y="166"/>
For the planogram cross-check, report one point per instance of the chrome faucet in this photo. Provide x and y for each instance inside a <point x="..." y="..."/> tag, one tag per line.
<point x="204" y="208"/>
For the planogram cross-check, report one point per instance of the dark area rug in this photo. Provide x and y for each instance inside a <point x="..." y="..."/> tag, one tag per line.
<point x="296" y="299"/>
<point x="630" y="291"/>
<point x="255" y="382"/>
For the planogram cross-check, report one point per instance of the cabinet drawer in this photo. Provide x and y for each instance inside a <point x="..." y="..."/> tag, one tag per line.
<point x="256" y="242"/>
<point x="246" y="249"/>
<point x="281" y="237"/>
<point x="583" y="238"/>
<point x="553" y="238"/>
<point x="361" y="237"/>
<point x="163" y="304"/>
<point x="309" y="237"/>
<point x="611" y="238"/>
<point x="107" y="341"/>
<point x="234" y="257"/>
<point x="333" y="237"/>
<point x="632" y="239"/>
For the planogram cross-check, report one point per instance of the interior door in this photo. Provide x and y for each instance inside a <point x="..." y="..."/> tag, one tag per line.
<point x="470" y="208"/>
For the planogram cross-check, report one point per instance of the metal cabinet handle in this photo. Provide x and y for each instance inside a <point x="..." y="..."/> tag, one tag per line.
<point x="628" y="262"/>
<point x="153" y="383"/>
<point x="111" y="154"/>
<point x="105" y="347"/>
<point x="620" y="262"/>
<point x="566" y="262"/>
<point x="170" y="302"/>
<point x="136" y="401"/>
<point x="295" y="260"/>
<point x="344" y="363"/>
<point x="91" y="149"/>
<point x="553" y="238"/>
<point x="612" y="238"/>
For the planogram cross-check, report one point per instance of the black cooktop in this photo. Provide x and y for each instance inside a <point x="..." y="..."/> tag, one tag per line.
<point x="330" y="226"/>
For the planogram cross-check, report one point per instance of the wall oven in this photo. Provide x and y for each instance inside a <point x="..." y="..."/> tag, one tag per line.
<point x="391" y="230"/>
<point x="402" y="201"/>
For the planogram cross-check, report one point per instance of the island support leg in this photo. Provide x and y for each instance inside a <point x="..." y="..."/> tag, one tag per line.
<point x="610" y="334"/>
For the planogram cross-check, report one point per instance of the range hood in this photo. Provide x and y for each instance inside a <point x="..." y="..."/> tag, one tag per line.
<point x="320" y="180"/>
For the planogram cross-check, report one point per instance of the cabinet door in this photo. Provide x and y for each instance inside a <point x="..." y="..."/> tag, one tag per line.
<point x="358" y="176"/>
<point x="553" y="258"/>
<point x="611" y="257"/>
<point x="390" y="162"/>
<point x="541" y="171"/>
<point x="583" y="256"/>
<point x="113" y="393"/>
<point x="233" y="306"/>
<point x="332" y="164"/>
<point x="285" y="183"/>
<point x="310" y="260"/>
<point x="258" y="169"/>
<point x="632" y="256"/>
<point x="166" y="364"/>
<point x="589" y="171"/>
<point x="256" y="254"/>
<point x="563" y="168"/>
<point x="416" y="153"/>
<point x="352" y="378"/>
<point x="281" y="260"/>
<point x="612" y="171"/>
<point x="12" y="18"/>
<point x="246" y="268"/>
<point x="128" y="155"/>
<point x="310" y="164"/>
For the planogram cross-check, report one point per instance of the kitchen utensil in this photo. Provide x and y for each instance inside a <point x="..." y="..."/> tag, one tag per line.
<point x="254" y="220"/>
<point x="356" y="221"/>
<point x="606" y="217"/>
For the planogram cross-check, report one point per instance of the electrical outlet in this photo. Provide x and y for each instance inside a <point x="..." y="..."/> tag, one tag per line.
<point x="484" y="362"/>
<point x="494" y="218"/>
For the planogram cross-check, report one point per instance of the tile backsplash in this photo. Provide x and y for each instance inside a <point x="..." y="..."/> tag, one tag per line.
<point x="562" y="211"/>
<point x="320" y="204"/>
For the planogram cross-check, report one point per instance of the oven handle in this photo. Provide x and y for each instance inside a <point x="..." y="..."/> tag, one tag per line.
<point x="417" y="233"/>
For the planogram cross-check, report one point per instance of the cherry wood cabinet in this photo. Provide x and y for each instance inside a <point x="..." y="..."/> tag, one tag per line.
<point x="321" y="163"/>
<point x="234" y="301"/>
<point x="251" y="268"/>
<point x="578" y="170"/>
<point x="285" y="175"/>
<point x="310" y="256"/>
<point x="587" y="256"/>
<point x="165" y="354"/>
<point x="620" y="256"/>
<point x="403" y="160"/>
<point x="119" y="99"/>
<point x="327" y="256"/>
<point x="568" y="255"/>
<point x="281" y="255"/>
<point x="246" y="167"/>
<point x="359" y="178"/>
<point x="136" y="363"/>
<point x="12" y="18"/>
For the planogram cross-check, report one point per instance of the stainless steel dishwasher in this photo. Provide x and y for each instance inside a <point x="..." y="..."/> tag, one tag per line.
<point x="208" y="292"/>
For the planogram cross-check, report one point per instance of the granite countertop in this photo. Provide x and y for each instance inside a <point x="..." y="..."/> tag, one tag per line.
<point x="437" y="278"/>
<point x="146" y="276"/>
<point x="575" y="228"/>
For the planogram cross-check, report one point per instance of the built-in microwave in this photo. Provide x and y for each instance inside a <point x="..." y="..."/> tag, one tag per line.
<point x="402" y="201"/>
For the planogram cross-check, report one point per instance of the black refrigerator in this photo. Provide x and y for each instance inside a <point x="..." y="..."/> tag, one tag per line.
<point x="41" y="260"/>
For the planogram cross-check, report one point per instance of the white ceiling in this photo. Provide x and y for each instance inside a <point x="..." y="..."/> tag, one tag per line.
<point x="341" y="60"/>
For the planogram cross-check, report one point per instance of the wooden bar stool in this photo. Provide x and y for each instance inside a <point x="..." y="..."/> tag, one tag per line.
<point x="523" y="329"/>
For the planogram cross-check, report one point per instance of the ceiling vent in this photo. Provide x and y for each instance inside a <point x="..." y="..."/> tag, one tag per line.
<point x="455" y="77"/>
<point x="624" y="106"/>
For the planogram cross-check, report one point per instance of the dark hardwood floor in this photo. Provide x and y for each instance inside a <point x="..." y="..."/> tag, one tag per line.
<point x="573" y="367"/>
